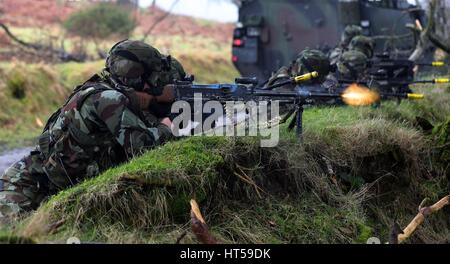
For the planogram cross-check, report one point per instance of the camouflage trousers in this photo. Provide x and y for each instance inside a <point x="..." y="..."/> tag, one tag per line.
<point x="23" y="186"/>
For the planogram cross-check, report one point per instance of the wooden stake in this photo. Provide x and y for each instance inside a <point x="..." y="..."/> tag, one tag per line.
<point x="199" y="227"/>
<point x="420" y="218"/>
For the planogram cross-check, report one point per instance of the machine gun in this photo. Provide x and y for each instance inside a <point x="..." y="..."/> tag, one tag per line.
<point x="395" y="75"/>
<point x="245" y="90"/>
<point x="383" y="66"/>
<point x="394" y="85"/>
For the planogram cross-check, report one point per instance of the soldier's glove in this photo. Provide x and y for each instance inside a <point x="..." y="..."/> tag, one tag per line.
<point x="145" y="100"/>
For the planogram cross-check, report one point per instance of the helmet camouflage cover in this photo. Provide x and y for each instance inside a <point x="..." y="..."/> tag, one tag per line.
<point x="177" y="71"/>
<point x="350" y="32"/>
<point x="312" y="60"/>
<point x="363" y="44"/>
<point x="352" y="64"/>
<point x="135" y="63"/>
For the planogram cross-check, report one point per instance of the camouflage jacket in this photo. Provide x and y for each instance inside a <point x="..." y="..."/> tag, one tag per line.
<point x="98" y="127"/>
<point x="283" y="74"/>
<point x="336" y="54"/>
<point x="352" y="65"/>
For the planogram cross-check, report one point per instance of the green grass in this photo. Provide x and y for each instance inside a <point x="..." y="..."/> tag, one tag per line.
<point x="383" y="164"/>
<point x="30" y="93"/>
<point x="147" y="200"/>
<point x="171" y="176"/>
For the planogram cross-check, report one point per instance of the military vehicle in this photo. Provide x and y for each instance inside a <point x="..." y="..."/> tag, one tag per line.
<point x="270" y="33"/>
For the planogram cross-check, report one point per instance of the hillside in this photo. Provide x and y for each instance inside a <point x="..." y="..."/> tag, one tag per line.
<point x="358" y="171"/>
<point x="22" y="15"/>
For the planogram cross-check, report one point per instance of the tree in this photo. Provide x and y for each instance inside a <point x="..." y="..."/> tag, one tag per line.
<point x="429" y="35"/>
<point x="101" y="21"/>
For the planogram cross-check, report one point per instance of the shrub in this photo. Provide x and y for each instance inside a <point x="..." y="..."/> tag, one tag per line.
<point x="101" y="21"/>
<point x="16" y="84"/>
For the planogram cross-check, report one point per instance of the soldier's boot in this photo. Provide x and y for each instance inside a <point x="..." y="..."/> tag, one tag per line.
<point x="21" y="187"/>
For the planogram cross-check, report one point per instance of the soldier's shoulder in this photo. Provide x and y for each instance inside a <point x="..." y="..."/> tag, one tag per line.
<point x="337" y="50"/>
<point x="353" y="54"/>
<point x="282" y="72"/>
<point x="101" y="99"/>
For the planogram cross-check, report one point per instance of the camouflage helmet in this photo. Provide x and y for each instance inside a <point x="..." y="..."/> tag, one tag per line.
<point x="352" y="64"/>
<point x="349" y="33"/>
<point x="135" y="63"/>
<point x="311" y="60"/>
<point x="177" y="71"/>
<point x="363" y="44"/>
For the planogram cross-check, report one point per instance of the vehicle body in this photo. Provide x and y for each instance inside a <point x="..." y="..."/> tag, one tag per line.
<point x="270" y="33"/>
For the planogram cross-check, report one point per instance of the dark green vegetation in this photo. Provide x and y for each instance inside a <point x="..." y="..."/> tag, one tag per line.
<point x="358" y="170"/>
<point x="101" y="21"/>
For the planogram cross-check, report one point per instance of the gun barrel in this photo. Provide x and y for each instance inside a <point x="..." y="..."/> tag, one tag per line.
<point x="410" y="96"/>
<point x="300" y="94"/>
<point x="399" y="82"/>
<point x="434" y="81"/>
<point x="432" y="64"/>
<point x="442" y="80"/>
<point x="413" y="96"/>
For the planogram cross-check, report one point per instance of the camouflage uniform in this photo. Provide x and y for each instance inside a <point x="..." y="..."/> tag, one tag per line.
<point x="362" y="44"/>
<point x="349" y="33"/>
<point x="352" y="65"/>
<point x="307" y="61"/>
<point x="177" y="71"/>
<point x="100" y="125"/>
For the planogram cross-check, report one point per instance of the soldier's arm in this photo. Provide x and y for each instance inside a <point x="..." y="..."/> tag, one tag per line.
<point x="331" y="83"/>
<point x="112" y="109"/>
<point x="279" y="76"/>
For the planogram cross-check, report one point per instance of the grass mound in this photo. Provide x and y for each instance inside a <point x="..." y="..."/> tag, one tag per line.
<point x="358" y="171"/>
<point x="150" y="196"/>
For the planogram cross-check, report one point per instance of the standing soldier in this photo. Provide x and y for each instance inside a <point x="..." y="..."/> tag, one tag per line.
<point x="104" y="122"/>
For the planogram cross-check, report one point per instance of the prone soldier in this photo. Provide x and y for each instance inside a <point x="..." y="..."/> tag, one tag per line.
<point x="104" y="122"/>
<point x="307" y="61"/>
<point x="349" y="33"/>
